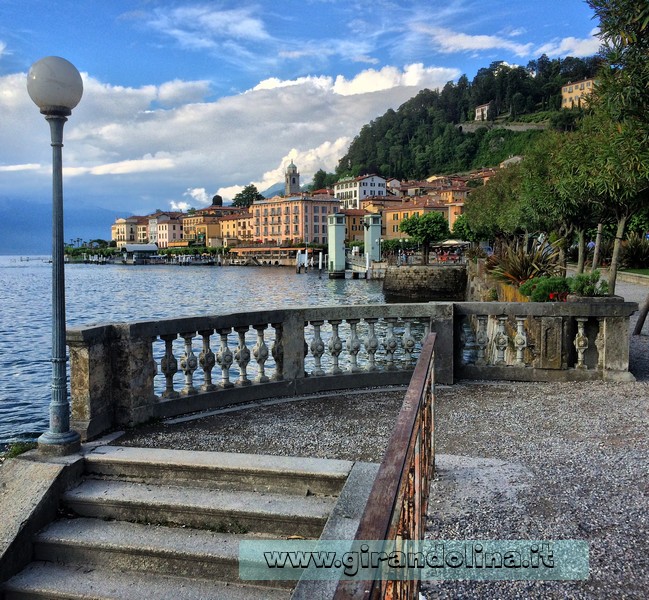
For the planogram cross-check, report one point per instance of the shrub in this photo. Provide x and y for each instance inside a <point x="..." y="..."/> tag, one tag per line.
<point x="635" y="252"/>
<point x="517" y="265"/>
<point x="546" y="289"/>
<point x="588" y="284"/>
<point x="475" y="253"/>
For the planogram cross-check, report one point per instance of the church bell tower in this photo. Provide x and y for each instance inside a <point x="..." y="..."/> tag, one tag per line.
<point x="291" y="181"/>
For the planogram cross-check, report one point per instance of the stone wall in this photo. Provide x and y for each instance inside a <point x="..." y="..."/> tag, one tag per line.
<point x="426" y="283"/>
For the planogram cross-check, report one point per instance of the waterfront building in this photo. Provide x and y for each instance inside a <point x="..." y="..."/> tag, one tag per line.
<point x="199" y="227"/>
<point x="237" y="228"/>
<point x="392" y="216"/>
<point x="572" y="94"/>
<point x="142" y="228"/>
<point x="293" y="220"/>
<point x="170" y="228"/>
<point x="124" y="231"/>
<point x="352" y="190"/>
<point x="354" y="231"/>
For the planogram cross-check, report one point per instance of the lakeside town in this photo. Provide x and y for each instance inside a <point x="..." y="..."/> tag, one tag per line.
<point x="296" y="217"/>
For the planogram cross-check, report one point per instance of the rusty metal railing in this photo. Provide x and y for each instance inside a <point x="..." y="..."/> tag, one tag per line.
<point x="396" y="508"/>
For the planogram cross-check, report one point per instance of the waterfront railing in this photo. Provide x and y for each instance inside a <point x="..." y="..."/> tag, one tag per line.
<point x="126" y="374"/>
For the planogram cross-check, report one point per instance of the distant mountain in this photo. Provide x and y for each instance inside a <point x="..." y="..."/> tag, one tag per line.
<point x="26" y="227"/>
<point x="273" y="190"/>
<point x="278" y="190"/>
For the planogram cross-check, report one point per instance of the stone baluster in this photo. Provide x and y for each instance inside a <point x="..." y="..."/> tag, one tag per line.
<point x="260" y="353"/>
<point x="278" y="352"/>
<point x="600" y="342"/>
<point x="224" y="358"/>
<point x="520" y="341"/>
<point x="408" y="342"/>
<point x="317" y="348"/>
<point x="501" y="341"/>
<point x="354" y="345"/>
<point x="482" y="340"/>
<point x="188" y="364"/>
<point x="581" y="342"/>
<point x="391" y="343"/>
<point x="242" y="355"/>
<point x="371" y="344"/>
<point x="335" y="346"/>
<point x="169" y="366"/>
<point x="207" y="360"/>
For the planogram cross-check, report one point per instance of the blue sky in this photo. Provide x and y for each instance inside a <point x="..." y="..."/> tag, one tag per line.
<point x="183" y="100"/>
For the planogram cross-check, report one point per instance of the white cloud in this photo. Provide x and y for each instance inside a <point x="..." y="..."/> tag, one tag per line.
<point x="177" y="92"/>
<point x="200" y="195"/>
<point x="3" y="48"/>
<point x="14" y="168"/>
<point x="370" y="80"/>
<point x="449" y="41"/>
<point x="324" y="83"/>
<point x="181" y="206"/>
<point x="571" y="46"/>
<point x="201" y="27"/>
<point x="146" y="164"/>
<point x="124" y="150"/>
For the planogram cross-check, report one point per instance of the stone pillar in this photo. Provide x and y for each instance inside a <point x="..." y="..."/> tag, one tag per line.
<point x="91" y="398"/>
<point x="613" y="347"/>
<point x="133" y="373"/>
<point x="293" y="345"/>
<point x="441" y="323"/>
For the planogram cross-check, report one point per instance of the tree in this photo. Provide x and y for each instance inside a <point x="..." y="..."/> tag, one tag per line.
<point x="322" y="180"/>
<point x="619" y="170"/>
<point x="247" y="196"/>
<point x="496" y="210"/>
<point x="426" y="229"/>
<point x="462" y="231"/>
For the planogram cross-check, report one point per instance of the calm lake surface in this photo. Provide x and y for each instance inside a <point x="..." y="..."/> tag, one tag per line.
<point x="108" y="293"/>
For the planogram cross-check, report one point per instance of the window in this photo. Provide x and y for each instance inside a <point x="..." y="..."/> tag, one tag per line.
<point x="316" y="229"/>
<point x="316" y="209"/>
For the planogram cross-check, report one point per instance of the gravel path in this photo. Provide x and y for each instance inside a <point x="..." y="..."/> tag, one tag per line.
<point x="514" y="461"/>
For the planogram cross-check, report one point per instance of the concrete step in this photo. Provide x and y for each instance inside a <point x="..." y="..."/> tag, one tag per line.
<point x="255" y="472"/>
<point x="219" y="510"/>
<point x="122" y="546"/>
<point x="48" y="581"/>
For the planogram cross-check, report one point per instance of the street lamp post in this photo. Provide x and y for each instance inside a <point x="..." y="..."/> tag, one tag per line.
<point x="56" y="87"/>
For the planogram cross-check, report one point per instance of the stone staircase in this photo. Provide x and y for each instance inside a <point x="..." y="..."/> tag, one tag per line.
<point x="166" y="524"/>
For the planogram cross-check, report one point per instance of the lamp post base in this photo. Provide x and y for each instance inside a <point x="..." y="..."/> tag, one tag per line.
<point x="59" y="444"/>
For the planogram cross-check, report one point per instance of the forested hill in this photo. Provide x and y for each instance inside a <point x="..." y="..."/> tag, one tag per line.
<point x="422" y="137"/>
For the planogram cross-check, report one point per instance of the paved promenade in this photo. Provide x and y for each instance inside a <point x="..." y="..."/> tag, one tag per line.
<point x="514" y="461"/>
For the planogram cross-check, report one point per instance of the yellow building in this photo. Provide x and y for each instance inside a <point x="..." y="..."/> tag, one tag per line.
<point x="393" y="216"/>
<point x="572" y="94"/>
<point x="124" y="231"/>
<point x="199" y="228"/>
<point x="354" y="231"/>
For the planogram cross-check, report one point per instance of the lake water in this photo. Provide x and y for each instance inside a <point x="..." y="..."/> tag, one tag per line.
<point x="108" y="293"/>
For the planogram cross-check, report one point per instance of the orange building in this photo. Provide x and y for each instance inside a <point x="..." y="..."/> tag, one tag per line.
<point x="293" y="220"/>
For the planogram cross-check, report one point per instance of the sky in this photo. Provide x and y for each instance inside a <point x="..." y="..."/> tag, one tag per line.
<point x="184" y="100"/>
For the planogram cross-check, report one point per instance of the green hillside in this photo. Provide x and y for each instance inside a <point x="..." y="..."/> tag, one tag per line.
<point x="424" y="136"/>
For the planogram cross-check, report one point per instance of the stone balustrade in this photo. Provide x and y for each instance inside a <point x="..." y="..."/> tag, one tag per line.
<point x="126" y="374"/>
